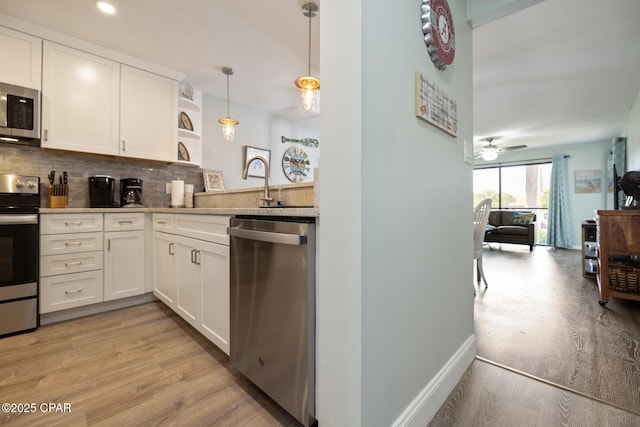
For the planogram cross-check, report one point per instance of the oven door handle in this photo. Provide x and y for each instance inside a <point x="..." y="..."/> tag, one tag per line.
<point x="18" y="219"/>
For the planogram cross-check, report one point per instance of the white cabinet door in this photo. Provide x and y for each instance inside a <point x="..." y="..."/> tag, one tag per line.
<point x="21" y="63"/>
<point x="124" y="264"/>
<point x="80" y="101"/>
<point x="148" y="115"/>
<point x="165" y="285"/>
<point x="215" y="302"/>
<point x="188" y="273"/>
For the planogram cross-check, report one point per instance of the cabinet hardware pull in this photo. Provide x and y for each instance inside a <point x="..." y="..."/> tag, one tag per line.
<point x="73" y="243"/>
<point x="70" y="223"/>
<point x="73" y="291"/>
<point x="193" y="256"/>
<point x="46" y="134"/>
<point x="71" y="264"/>
<point x="125" y="222"/>
<point x="108" y="244"/>
<point x="197" y="261"/>
<point x="161" y="222"/>
<point x="124" y="146"/>
<point x="171" y="249"/>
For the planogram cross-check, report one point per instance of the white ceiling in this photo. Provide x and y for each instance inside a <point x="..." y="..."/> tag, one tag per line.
<point x="561" y="71"/>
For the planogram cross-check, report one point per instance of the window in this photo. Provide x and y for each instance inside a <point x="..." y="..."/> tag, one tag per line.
<point x="517" y="187"/>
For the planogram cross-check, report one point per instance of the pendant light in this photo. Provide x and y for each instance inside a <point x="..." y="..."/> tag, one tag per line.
<point x="308" y="84"/>
<point x="228" y="124"/>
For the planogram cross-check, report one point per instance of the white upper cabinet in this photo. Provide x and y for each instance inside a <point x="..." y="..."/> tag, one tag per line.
<point x="21" y="62"/>
<point x="148" y="112"/>
<point x="80" y="101"/>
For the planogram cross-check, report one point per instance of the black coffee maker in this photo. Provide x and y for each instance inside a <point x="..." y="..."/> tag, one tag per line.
<point x="101" y="189"/>
<point x="131" y="193"/>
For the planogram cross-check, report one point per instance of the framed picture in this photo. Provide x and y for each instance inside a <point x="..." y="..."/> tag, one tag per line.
<point x="213" y="180"/>
<point x="587" y="181"/>
<point x="256" y="167"/>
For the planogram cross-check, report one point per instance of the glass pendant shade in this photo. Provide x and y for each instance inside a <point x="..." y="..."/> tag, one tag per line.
<point x="228" y="124"/>
<point x="228" y="128"/>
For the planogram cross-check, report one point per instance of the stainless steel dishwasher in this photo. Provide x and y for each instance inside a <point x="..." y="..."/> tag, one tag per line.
<point x="273" y="309"/>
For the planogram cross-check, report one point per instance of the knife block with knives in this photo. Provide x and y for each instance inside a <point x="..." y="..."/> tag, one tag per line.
<point x="58" y="193"/>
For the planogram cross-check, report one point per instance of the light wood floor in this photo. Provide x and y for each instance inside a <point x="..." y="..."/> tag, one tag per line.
<point x="140" y="366"/>
<point x="559" y="358"/>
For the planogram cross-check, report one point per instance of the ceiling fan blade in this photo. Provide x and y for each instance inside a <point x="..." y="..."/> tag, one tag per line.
<point x="513" y="147"/>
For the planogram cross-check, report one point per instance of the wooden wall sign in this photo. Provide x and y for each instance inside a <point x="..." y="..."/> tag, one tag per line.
<point x="435" y="106"/>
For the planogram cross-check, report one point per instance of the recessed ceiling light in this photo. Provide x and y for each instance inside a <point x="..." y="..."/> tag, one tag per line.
<point x="105" y="7"/>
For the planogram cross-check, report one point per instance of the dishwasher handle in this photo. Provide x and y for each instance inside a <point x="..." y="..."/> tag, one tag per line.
<point x="266" y="236"/>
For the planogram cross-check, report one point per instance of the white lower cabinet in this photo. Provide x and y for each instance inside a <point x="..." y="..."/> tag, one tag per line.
<point x="124" y="255"/>
<point x="123" y="264"/>
<point x="90" y="258"/>
<point x="199" y="291"/>
<point x="165" y="285"/>
<point x="71" y="261"/>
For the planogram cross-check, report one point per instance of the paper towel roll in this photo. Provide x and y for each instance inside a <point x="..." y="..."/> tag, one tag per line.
<point x="177" y="193"/>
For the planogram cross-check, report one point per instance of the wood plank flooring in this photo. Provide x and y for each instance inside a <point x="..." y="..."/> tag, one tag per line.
<point x="140" y="366"/>
<point x="540" y="317"/>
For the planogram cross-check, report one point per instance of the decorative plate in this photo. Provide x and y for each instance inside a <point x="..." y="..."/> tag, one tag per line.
<point x="185" y="121"/>
<point x="183" y="153"/>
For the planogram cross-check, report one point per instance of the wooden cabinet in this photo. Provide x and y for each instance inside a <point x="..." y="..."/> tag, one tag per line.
<point x="80" y="101"/>
<point x="619" y="254"/>
<point x="148" y="111"/>
<point x="589" y="249"/>
<point x="124" y="255"/>
<point x="191" y="271"/>
<point x="21" y="63"/>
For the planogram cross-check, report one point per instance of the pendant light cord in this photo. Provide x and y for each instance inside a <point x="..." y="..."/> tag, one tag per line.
<point x="228" y="96"/>
<point x="310" y="16"/>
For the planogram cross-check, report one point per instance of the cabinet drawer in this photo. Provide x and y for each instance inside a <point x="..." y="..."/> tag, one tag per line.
<point x="58" y="244"/>
<point x="211" y="228"/>
<point x="71" y="223"/>
<point x="124" y="222"/>
<point x="51" y="265"/>
<point x="70" y="290"/>
<point x="164" y="222"/>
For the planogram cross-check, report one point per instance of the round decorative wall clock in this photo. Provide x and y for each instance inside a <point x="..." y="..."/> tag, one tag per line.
<point x="439" y="35"/>
<point x="295" y="164"/>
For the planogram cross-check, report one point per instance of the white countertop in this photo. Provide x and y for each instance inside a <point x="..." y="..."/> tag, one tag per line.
<point x="269" y="211"/>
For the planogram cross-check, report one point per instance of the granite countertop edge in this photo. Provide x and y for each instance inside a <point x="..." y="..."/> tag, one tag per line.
<point x="301" y="212"/>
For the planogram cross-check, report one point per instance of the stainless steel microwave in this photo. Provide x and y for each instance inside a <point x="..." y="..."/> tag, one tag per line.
<point x="19" y="115"/>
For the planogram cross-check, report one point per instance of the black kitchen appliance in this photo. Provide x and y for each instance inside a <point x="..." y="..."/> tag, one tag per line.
<point x="19" y="253"/>
<point x="630" y="184"/>
<point x="101" y="190"/>
<point x="131" y="193"/>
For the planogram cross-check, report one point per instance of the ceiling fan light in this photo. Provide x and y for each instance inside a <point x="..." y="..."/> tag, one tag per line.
<point x="490" y="154"/>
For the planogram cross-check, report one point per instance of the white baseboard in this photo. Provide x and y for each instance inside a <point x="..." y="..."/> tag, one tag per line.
<point x="431" y="398"/>
<point x="101" y="307"/>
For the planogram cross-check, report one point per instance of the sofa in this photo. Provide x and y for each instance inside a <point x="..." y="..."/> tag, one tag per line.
<point x="511" y="226"/>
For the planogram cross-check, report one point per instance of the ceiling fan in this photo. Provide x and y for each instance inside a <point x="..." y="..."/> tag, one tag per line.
<point x="490" y="152"/>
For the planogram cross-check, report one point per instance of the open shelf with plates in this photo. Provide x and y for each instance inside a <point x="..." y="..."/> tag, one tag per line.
<point x="189" y="144"/>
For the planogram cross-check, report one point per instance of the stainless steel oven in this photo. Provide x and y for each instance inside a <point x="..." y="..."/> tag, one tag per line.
<point x="19" y="252"/>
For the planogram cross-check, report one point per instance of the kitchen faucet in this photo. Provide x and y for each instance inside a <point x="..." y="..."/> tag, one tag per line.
<point x="266" y="200"/>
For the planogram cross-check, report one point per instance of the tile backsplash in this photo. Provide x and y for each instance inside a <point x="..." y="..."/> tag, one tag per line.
<point x="25" y="160"/>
